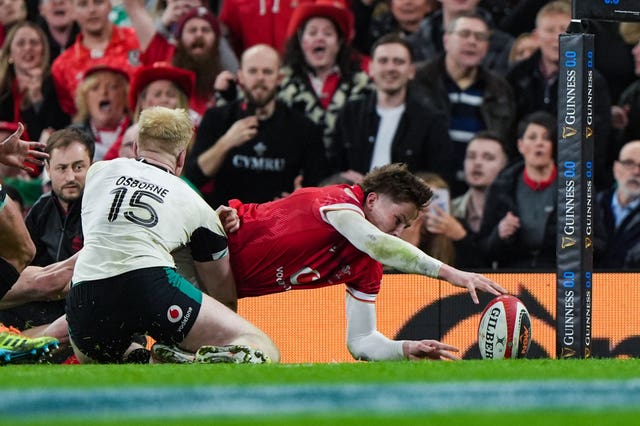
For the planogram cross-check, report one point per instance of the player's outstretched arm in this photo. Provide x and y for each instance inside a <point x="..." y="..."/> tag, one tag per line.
<point x="14" y="151"/>
<point x="366" y="343"/>
<point x="399" y="254"/>
<point x="471" y="281"/>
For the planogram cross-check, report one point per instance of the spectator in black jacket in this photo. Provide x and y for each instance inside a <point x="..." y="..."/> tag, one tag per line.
<point x="472" y="97"/>
<point x="486" y="157"/>
<point x="392" y="124"/>
<point x="518" y="227"/>
<point x="54" y="222"/>
<point x="428" y="40"/>
<point x="374" y="19"/>
<point x="619" y="209"/>
<point x="255" y="149"/>
<point x="535" y="83"/>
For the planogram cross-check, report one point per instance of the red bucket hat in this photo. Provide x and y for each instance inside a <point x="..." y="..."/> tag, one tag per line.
<point x="146" y="75"/>
<point x="335" y="10"/>
<point x="199" y="12"/>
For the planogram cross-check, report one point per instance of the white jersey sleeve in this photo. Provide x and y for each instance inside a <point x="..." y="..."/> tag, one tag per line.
<point x="134" y="215"/>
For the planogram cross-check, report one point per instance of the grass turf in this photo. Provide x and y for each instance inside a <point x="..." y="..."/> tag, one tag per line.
<point x="54" y="377"/>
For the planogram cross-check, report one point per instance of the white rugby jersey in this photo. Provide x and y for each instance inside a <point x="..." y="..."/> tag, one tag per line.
<point x="133" y="215"/>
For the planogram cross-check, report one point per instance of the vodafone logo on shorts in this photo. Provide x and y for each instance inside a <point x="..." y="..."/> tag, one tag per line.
<point x="174" y="314"/>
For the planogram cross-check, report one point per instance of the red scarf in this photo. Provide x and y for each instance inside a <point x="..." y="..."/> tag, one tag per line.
<point x="542" y="185"/>
<point x="329" y="87"/>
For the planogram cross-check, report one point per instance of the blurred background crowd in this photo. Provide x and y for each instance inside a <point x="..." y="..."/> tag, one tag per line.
<point x="294" y="93"/>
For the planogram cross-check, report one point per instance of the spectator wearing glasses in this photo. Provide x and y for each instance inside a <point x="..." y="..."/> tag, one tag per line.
<point x="428" y="40"/>
<point x="535" y="83"/>
<point x="472" y="97"/>
<point x="619" y="209"/>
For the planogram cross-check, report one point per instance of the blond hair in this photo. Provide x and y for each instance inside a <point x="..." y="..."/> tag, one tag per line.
<point x="164" y="129"/>
<point x="82" y="106"/>
<point x="557" y="7"/>
<point x="630" y="32"/>
<point x="7" y="73"/>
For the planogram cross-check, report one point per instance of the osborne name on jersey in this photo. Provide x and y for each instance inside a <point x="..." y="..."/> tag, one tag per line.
<point x="259" y="163"/>
<point x="147" y="186"/>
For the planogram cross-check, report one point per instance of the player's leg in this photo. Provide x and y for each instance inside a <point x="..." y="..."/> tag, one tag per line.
<point x="230" y="333"/>
<point x="101" y="320"/>
<point x="16" y="248"/>
<point x="189" y="319"/>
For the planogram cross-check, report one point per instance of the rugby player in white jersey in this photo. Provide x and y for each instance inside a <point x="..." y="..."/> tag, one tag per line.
<point x="135" y="212"/>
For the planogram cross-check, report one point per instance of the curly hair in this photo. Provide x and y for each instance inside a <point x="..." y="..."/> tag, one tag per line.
<point x="347" y="59"/>
<point x="396" y="181"/>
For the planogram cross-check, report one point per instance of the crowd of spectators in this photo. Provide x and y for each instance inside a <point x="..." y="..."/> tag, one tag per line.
<point x="307" y="93"/>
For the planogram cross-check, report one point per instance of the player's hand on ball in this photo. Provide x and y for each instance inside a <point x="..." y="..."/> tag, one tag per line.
<point x="428" y="349"/>
<point x="471" y="281"/>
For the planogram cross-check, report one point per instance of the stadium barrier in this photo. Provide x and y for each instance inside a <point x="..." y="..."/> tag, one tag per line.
<point x="309" y="326"/>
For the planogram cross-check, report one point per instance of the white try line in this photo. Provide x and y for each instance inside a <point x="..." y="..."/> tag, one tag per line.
<point x="166" y="402"/>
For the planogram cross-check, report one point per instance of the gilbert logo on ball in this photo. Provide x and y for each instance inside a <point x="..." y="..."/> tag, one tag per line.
<point x="504" y="330"/>
<point x="174" y="314"/>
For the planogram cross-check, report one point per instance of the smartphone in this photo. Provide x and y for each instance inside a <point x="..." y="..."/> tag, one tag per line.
<point x="441" y="198"/>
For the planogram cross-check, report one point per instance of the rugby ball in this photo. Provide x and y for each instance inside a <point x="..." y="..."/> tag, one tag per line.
<point x="504" y="330"/>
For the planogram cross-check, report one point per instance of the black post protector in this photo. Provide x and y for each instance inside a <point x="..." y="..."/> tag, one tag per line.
<point x="606" y="10"/>
<point x="575" y="195"/>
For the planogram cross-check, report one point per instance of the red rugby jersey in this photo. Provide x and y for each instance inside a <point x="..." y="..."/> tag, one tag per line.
<point x="288" y="245"/>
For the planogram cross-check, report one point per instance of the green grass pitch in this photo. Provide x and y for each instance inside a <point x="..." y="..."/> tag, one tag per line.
<point x="325" y="394"/>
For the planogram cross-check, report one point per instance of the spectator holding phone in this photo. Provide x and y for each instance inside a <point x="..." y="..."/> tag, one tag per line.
<point x="255" y="148"/>
<point x="484" y="159"/>
<point x="424" y="232"/>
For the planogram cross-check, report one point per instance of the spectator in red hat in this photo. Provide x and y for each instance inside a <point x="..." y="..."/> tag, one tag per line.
<point x="322" y="71"/>
<point x="99" y="42"/>
<point x="167" y="16"/>
<point x="157" y="85"/>
<point x="160" y="84"/>
<point x="252" y="22"/>
<point x="101" y="101"/>
<point x="27" y="92"/>
<point x="196" y="48"/>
